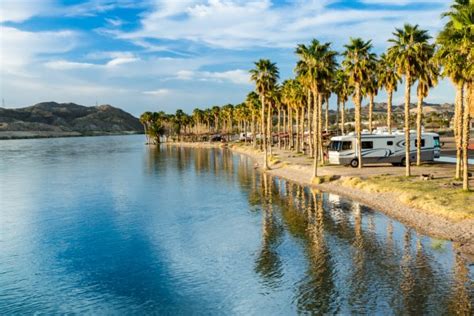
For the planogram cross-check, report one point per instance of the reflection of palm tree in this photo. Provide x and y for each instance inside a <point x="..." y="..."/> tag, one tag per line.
<point x="268" y="263"/>
<point x="460" y="300"/>
<point x="316" y="291"/>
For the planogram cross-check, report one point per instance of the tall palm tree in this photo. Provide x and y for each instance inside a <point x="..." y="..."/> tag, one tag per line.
<point x="287" y="99"/>
<point x="457" y="56"/>
<point x="370" y="89"/>
<point x="316" y="62"/>
<point x="342" y="90"/>
<point x="408" y="44"/>
<point x="145" y="119"/>
<point x="253" y="105"/>
<point x="198" y="116"/>
<point x="357" y="63"/>
<point x="388" y="79"/>
<point x="215" y="110"/>
<point x="265" y="75"/>
<point x="427" y="76"/>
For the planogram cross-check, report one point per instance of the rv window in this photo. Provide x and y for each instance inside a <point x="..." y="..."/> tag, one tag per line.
<point x="436" y="142"/>
<point x="389" y="143"/>
<point x="422" y="142"/>
<point x="335" y="145"/>
<point x="346" y="145"/>
<point x="367" y="145"/>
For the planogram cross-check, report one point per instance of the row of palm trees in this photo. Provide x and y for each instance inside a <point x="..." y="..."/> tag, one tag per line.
<point x="299" y="101"/>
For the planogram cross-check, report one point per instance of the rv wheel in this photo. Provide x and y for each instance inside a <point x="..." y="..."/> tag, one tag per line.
<point x="355" y="163"/>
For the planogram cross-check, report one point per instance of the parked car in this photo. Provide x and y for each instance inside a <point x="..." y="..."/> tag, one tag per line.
<point x="217" y="138"/>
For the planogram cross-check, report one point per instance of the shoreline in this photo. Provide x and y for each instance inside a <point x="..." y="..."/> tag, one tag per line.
<point x="460" y="232"/>
<point x="13" y="135"/>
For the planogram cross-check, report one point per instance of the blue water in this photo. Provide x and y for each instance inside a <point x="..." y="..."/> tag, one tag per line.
<point x="106" y="225"/>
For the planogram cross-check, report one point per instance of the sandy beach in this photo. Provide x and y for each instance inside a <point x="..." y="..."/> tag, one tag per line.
<point x="298" y="168"/>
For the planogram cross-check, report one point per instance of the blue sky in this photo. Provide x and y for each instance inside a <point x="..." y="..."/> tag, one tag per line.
<point x="170" y="54"/>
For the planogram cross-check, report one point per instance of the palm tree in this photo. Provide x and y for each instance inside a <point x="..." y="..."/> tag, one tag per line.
<point x="370" y="89"/>
<point x="427" y="77"/>
<point x="316" y="63"/>
<point x="253" y="104"/>
<point x="227" y="112"/>
<point x="388" y="79"/>
<point x="457" y="56"/>
<point x="357" y="63"/>
<point x="342" y="90"/>
<point x="265" y="75"/>
<point x="287" y="99"/>
<point x="215" y="110"/>
<point x="145" y="119"/>
<point x="198" y="116"/>
<point x="406" y="53"/>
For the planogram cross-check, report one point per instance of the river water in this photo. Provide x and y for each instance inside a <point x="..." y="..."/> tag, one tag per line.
<point x="106" y="225"/>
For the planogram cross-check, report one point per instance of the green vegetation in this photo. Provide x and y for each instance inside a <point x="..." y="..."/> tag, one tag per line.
<point x="452" y="203"/>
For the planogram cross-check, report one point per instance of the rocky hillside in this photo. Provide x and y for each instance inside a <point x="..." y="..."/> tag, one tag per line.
<point x="68" y="118"/>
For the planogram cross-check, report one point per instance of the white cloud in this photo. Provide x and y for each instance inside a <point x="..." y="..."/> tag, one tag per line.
<point x="236" y="76"/>
<point x="120" y="61"/>
<point x="67" y="65"/>
<point x="21" y="10"/>
<point x="20" y="48"/>
<point x="158" y="92"/>
<point x="259" y="23"/>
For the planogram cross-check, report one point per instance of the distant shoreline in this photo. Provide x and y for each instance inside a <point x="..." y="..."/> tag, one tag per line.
<point x="12" y="135"/>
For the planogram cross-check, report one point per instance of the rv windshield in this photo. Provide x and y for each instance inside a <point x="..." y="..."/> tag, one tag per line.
<point x="436" y="142"/>
<point x="337" y="145"/>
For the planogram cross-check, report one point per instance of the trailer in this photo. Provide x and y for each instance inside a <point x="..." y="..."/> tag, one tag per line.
<point x="382" y="147"/>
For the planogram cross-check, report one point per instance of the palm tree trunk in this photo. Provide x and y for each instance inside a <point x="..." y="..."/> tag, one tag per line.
<point x="465" y="137"/>
<point x="357" y="103"/>
<point x="269" y="129"/>
<point x="389" y="110"/>
<point x="343" y="116"/>
<point x="315" y="135"/>
<point x="309" y="124"/>
<point x="285" y="142"/>
<point x="264" y="136"/>
<point x="407" y="124"/>
<point x="290" y="127"/>
<point x="302" y="129"/>
<point x="419" y="113"/>
<point x="458" y="123"/>
<point x="337" y="111"/>
<point x="320" y="128"/>
<point x="279" y="127"/>
<point x="254" y="133"/>
<point x="326" y="117"/>
<point x="297" y="130"/>
<point x="371" y="109"/>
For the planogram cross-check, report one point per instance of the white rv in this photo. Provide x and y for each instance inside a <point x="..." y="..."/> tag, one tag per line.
<point x="382" y="148"/>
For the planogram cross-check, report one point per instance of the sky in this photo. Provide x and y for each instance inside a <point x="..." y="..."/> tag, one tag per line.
<point x="163" y="55"/>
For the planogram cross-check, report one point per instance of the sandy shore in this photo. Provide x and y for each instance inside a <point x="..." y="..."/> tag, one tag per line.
<point x="298" y="169"/>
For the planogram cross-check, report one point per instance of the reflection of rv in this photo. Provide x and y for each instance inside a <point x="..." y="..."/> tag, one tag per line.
<point x="382" y="148"/>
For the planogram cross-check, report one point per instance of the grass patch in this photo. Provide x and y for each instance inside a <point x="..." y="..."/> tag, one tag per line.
<point x="436" y="196"/>
<point x="324" y="179"/>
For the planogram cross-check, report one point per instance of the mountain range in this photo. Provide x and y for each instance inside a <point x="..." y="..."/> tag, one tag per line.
<point x="50" y="119"/>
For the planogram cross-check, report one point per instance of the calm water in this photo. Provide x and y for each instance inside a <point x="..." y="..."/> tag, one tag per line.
<point x="106" y="225"/>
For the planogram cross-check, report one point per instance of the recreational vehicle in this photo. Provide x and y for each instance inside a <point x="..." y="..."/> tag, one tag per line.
<point x="382" y="148"/>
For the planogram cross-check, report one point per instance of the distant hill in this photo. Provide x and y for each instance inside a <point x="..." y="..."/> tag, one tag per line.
<point x="381" y="107"/>
<point x="49" y="119"/>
